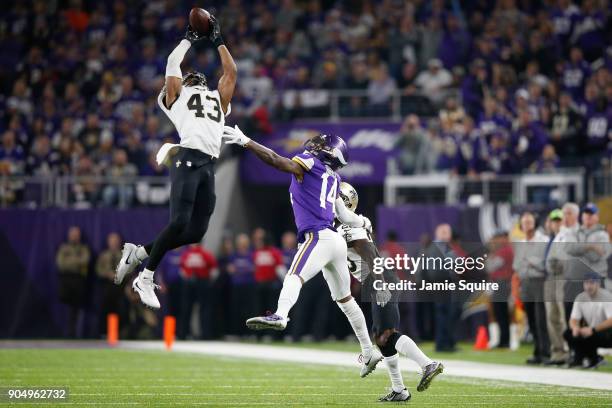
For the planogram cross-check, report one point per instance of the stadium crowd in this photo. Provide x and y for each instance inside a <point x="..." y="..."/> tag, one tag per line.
<point x="520" y="85"/>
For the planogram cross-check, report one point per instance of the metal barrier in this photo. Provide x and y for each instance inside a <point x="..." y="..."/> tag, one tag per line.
<point x="98" y="191"/>
<point x="452" y="189"/>
<point x="83" y="191"/>
<point x="600" y="184"/>
<point x="346" y="104"/>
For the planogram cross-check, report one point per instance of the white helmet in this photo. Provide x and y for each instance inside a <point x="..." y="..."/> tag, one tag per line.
<point x="349" y="196"/>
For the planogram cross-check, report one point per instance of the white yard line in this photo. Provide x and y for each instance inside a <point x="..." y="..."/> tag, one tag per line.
<point x="504" y="372"/>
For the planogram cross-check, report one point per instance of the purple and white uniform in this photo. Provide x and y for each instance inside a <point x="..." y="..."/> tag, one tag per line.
<point x="321" y="247"/>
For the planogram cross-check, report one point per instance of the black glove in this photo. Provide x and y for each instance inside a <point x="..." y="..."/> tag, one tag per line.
<point x="191" y="35"/>
<point x="215" y="32"/>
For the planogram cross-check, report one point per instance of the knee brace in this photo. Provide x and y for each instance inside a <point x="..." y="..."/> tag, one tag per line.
<point x="388" y="349"/>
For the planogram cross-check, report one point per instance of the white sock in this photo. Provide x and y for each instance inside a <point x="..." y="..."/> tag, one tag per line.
<point x="406" y="346"/>
<point x="289" y="295"/>
<point x="357" y="320"/>
<point x="494" y="335"/>
<point x="397" y="382"/>
<point x="147" y="273"/>
<point x="141" y="253"/>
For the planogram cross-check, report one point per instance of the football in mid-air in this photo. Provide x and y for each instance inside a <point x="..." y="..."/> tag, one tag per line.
<point x="199" y="19"/>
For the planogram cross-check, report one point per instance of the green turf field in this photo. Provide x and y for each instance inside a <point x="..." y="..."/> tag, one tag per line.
<point x="105" y="377"/>
<point x="466" y="352"/>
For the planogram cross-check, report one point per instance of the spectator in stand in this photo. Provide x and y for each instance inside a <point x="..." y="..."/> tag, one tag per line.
<point x="434" y="81"/>
<point x="105" y="271"/>
<point x="553" y="290"/>
<point x="548" y="161"/>
<point x="412" y="141"/>
<point x="72" y="261"/>
<point x="528" y="263"/>
<point x="499" y="268"/>
<point x="566" y="125"/>
<point x="590" y="325"/>
<point x="12" y="163"/>
<point x="381" y="89"/>
<point x="528" y="140"/>
<point x="198" y="270"/>
<point x="242" y="272"/>
<point x="121" y="170"/>
<point x="269" y="269"/>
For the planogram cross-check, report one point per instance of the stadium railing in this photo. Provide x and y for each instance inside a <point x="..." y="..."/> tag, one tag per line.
<point x="83" y="191"/>
<point x="516" y="189"/>
<point x="336" y="105"/>
<point x="100" y="191"/>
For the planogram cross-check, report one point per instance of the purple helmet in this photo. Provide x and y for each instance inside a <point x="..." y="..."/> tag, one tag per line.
<point x="330" y="149"/>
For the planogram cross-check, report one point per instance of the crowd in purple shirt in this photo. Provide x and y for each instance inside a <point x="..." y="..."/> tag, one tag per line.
<point x="521" y="85"/>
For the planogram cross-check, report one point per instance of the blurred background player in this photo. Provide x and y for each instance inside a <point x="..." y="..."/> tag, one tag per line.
<point x="385" y="311"/>
<point x="314" y="198"/>
<point x="199" y="116"/>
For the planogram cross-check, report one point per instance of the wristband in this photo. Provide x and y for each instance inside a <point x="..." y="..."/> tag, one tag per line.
<point x="218" y="41"/>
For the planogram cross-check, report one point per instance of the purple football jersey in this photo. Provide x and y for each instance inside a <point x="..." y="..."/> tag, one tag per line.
<point x="313" y="198"/>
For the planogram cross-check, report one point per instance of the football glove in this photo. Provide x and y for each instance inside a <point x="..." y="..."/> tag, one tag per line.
<point x="233" y="135"/>
<point x="192" y="35"/>
<point x="215" y="32"/>
<point x="367" y="224"/>
<point x="383" y="297"/>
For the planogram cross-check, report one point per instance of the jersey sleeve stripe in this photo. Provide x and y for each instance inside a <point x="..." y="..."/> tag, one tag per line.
<point x="301" y="163"/>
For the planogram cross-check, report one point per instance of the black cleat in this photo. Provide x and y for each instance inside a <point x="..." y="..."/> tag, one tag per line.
<point x="429" y="373"/>
<point x="393" y="396"/>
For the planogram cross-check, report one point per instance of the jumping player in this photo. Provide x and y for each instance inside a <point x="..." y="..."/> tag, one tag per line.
<point x="385" y="312"/>
<point x="315" y="202"/>
<point x="198" y="114"/>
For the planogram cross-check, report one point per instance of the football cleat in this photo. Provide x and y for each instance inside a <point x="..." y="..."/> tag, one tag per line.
<point x="370" y="365"/>
<point x="128" y="263"/>
<point x="269" y="321"/>
<point x="145" y="287"/>
<point x="429" y="373"/>
<point x="394" y="396"/>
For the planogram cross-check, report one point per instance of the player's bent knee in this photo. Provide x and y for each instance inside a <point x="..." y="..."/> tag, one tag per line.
<point x="387" y="342"/>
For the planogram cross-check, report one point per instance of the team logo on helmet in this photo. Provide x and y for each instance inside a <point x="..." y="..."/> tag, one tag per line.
<point x="330" y="149"/>
<point x="349" y="196"/>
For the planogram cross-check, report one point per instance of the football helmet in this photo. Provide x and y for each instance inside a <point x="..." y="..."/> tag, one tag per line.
<point x="195" y="78"/>
<point x="349" y="196"/>
<point x="330" y="149"/>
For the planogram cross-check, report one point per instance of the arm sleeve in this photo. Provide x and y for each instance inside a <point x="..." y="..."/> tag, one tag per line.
<point x="346" y="216"/>
<point x="173" y="67"/>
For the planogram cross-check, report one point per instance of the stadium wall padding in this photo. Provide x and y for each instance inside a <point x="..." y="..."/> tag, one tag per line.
<point x="29" y="239"/>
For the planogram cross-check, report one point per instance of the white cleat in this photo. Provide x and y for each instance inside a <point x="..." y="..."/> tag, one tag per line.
<point x="269" y="321"/>
<point x="394" y="396"/>
<point x="145" y="287"/>
<point x="128" y="262"/>
<point x="370" y="365"/>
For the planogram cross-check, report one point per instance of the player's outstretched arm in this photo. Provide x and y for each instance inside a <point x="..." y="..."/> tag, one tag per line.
<point x="349" y="218"/>
<point x="227" y="82"/>
<point x="174" y="76"/>
<point x="235" y="136"/>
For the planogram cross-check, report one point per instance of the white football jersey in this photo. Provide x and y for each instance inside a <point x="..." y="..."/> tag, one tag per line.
<point x="351" y="234"/>
<point x="198" y="118"/>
